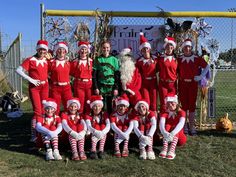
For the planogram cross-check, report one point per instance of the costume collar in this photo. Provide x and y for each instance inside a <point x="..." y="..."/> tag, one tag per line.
<point x="188" y="59"/>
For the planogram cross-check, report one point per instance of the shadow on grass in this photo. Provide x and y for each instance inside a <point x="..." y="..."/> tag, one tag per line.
<point x="217" y="133"/>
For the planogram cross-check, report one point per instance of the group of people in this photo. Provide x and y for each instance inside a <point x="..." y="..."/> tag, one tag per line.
<point x="117" y="93"/>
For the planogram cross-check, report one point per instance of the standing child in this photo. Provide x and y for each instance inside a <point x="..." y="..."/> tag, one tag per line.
<point x="76" y="127"/>
<point x="49" y="125"/>
<point x="98" y="124"/>
<point x="122" y="126"/>
<point x="145" y="127"/>
<point x="171" y="126"/>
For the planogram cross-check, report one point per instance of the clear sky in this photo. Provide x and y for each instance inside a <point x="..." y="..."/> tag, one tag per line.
<point x="24" y="15"/>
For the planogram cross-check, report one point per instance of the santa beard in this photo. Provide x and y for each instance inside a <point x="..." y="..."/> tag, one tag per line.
<point x="127" y="68"/>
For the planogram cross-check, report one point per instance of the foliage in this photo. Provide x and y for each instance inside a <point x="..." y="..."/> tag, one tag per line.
<point x="229" y="55"/>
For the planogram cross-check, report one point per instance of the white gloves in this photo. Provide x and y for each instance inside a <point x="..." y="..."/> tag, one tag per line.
<point x="98" y="134"/>
<point x="52" y="134"/>
<point x="21" y="72"/>
<point x="198" y="78"/>
<point x="169" y="137"/>
<point x="34" y="81"/>
<point x="77" y="136"/>
<point x="145" y="140"/>
<point x="130" y="91"/>
<point x="74" y="134"/>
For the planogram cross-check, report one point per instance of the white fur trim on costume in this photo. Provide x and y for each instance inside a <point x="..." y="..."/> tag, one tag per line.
<point x="49" y="104"/>
<point x="42" y="46"/>
<point x="141" y="102"/>
<point x="69" y="102"/>
<point x="84" y="46"/>
<point x="130" y="91"/>
<point x="187" y="43"/>
<point x="124" y="102"/>
<point x="96" y="102"/>
<point x="60" y="45"/>
<point x="172" y="99"/>
<point x="169" y="42"/>
<point x="145" y="44"/>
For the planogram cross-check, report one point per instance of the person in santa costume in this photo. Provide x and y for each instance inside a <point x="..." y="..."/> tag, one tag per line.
<point x="35" y="70"/>
<point x="129" y="76"/>
<point x="188" y="67"/>
<point x="74" y="124"/>
<point x="171" y="127"/>
<point x="106" y="76"/>
<point x="98" y="125"/>
<point x="122" y="126"/>
<point x="147" y="68"/>
<point x="167" y="68"/>
<point x="59" y="73"/>
<point x="49" y="125"/>
<point x="145" y="123"/>
<point x="81" y="70"/>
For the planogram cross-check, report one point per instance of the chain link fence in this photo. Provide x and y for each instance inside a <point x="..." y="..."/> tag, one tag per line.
<point x="57" y="27"/>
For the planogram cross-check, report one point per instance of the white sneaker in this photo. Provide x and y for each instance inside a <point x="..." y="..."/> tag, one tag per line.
<point x="143" y="155"/>
<point x="151" y="155"/>
<point x="49" y="155"/>
<point x="57" y="155"/>
<point x="170" y="155"/>
<point x="163" y="154"/>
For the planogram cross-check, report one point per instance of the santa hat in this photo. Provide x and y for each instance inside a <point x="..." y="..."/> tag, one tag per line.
<point x="73" y="100"/>
<point x="144" y="42"/>
<point x="123" y="100"/>
<point x="142" y="101"/>
<point x="169" y="40"/>
<point x="63" y="45"/>
<point x="49" y="102"/>
<point x="83" y="44"/>
<point x="187" y="42"/>
<point x="42" y="44"/>
<point x="171" y="98"/>
<point x="95" y="99"/>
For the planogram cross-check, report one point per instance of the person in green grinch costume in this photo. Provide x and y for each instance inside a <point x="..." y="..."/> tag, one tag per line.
<point x="106" y="76"/>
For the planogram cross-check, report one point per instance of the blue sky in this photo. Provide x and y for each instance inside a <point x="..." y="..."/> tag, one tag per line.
<point x="24" y="15"/>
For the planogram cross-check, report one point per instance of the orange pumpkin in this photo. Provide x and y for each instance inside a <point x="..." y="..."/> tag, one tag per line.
<point x="224" y="124"/>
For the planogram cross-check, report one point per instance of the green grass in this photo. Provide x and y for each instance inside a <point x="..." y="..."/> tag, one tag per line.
<point x="209" y="154"/>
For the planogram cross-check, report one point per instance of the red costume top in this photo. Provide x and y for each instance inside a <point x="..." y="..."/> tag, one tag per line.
<point x="147" y="68"/>
<point x="81" y="69"/>
<point x="145" y="121"/>
<point x="73" y="121"/>
<point x="167" y="67"/>
<point x="189" y="66"/>
<point x="98" y="122"/>
<point x="50" y="123"/>
<point x="121" y="121"/>
<point x="173" y="119"/>
<point x="59" y="70"/>
<point x="36" y="68"/>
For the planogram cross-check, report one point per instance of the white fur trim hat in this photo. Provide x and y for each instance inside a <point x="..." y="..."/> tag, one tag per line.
<point x="61" y="45"/>
<point x="95" y="99"/>
<point x="49" y="102"/>
<point x="42" y="44"/>
<point x="171" y="98"/>
<point x="123" y="100"/>
<point x="126" y="51"/>
<point x="187" y="42"/>
<point x="73" y="100"/>
<point x="169" y="40"/>
<point x="142" y="101"/>
<point x="84" y="44"/>
<point x="144" y="42"/>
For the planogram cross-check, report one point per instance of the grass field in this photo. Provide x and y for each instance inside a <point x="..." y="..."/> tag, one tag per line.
<point x="210" y="154"/>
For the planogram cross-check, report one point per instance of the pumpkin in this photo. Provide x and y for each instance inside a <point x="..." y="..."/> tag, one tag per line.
<point x="224" y="124"/>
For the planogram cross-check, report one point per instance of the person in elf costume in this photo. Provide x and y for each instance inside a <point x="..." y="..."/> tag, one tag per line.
<point x="167" y="68"/>
<point x="37" y="69"/>
<point x="49" y="125"/>
<point x="81" y="70"/>
<point x="145" y="123"/>
<point x="146" y="65"/>
<point x="171" y="126"/>
<point x="74" y="124"/>
<point x="122" y="126"/>
<point x="98" y="125"/>
<point x="188" y="72"/>
<point x="106" y="76"/>
<point x="59" y="73"/>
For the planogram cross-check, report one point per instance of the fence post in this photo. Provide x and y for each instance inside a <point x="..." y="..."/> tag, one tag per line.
<point x="42" y="21"/>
